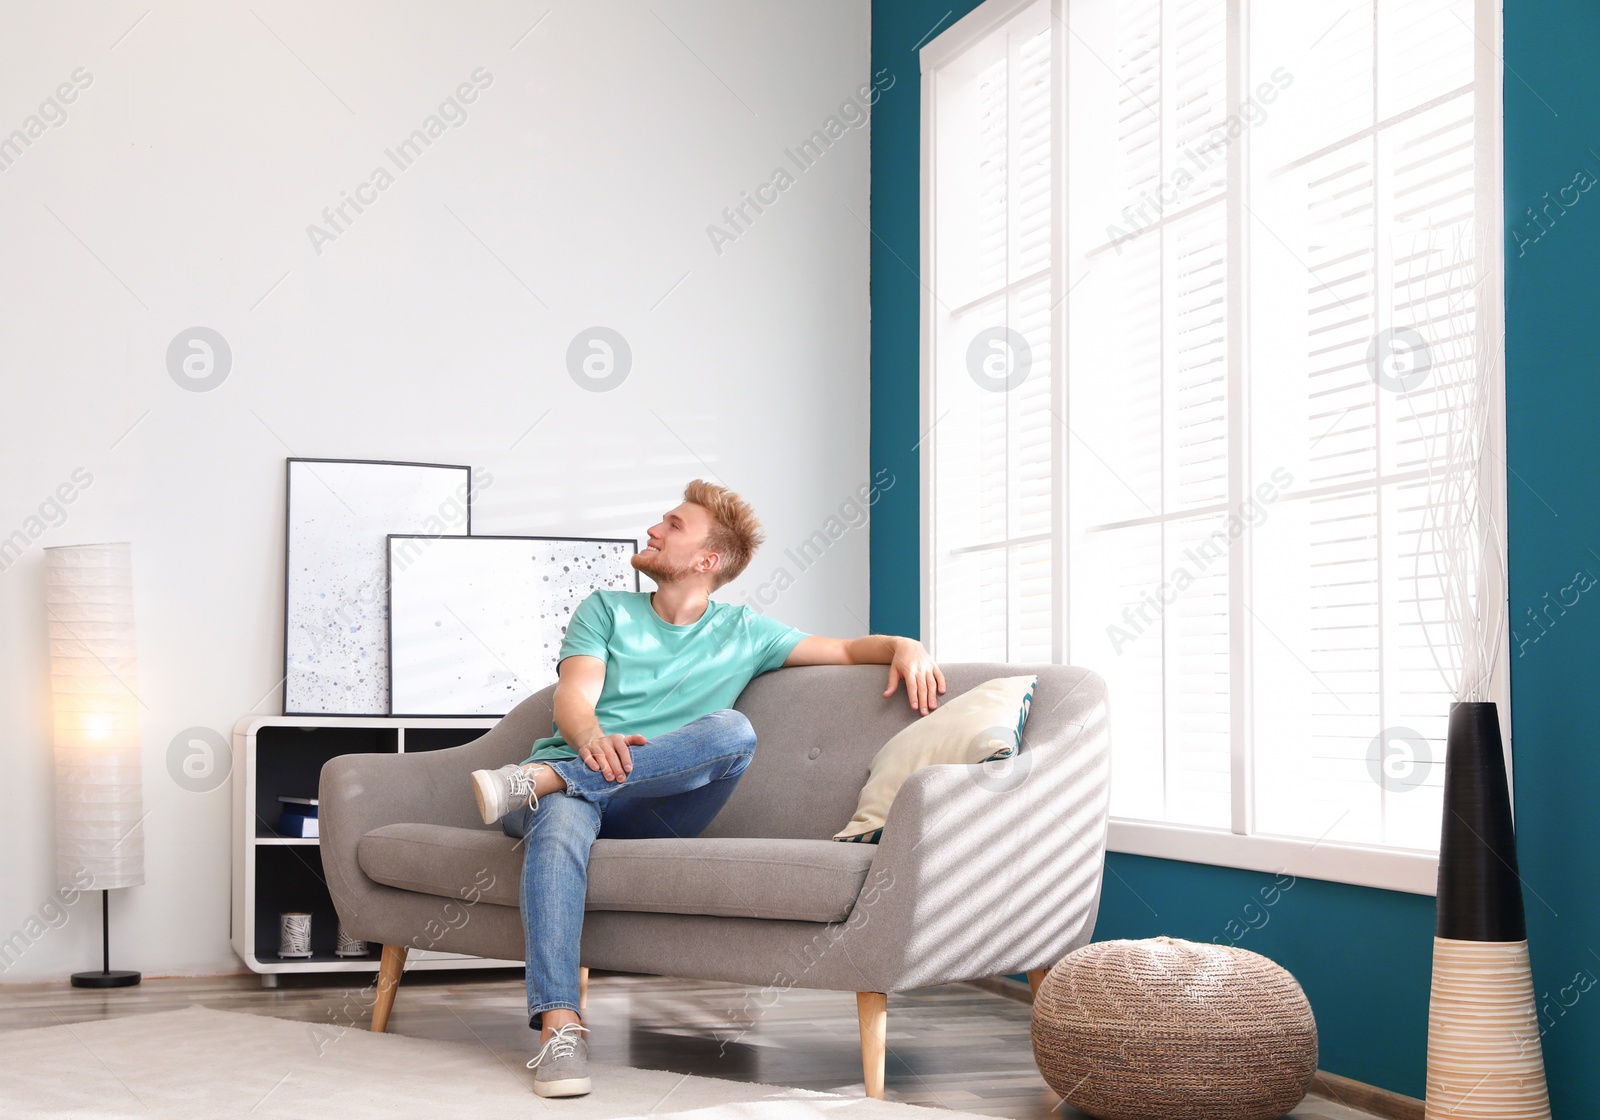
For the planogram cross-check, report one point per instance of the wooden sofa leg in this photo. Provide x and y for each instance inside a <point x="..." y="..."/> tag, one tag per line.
<point x="1035" y="978"/>
<point x="583" y="987"/>
<point x="872" y="1010"/>
<point x="390" y="969"/>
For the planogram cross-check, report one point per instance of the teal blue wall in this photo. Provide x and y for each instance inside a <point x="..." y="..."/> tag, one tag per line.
<point x="1364" y="955"/>
<point x="1552" y="127"/>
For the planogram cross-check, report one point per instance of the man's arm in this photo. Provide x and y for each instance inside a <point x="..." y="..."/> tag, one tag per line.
<point x="906" y="658"/>
<point x="577" y="692"/>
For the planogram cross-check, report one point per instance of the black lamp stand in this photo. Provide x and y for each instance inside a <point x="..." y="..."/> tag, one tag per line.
<point x="105" y="978"/>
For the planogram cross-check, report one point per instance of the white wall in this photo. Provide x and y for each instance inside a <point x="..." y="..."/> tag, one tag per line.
<point x="178" y="192"/>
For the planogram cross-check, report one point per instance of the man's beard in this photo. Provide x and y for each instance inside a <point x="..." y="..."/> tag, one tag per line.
<point x="654" y="565"/>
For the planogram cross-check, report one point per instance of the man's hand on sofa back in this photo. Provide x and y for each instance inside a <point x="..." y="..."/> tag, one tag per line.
<point x="907" y="658"/>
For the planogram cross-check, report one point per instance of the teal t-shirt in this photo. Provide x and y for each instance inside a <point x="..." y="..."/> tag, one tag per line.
<point x="659" y="676"/>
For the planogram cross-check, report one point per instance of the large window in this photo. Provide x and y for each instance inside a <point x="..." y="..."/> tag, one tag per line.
<point x="1212" y="310"/>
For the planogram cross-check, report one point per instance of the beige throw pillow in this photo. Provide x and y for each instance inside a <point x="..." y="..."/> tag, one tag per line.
<point x="982" y="723"/>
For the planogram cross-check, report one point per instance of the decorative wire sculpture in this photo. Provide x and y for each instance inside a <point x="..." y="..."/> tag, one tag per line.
<point x="1455" y="421"/>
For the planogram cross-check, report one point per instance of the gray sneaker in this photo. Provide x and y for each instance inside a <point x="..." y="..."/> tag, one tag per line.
<point x="562" y="1067"/>
<point x="500" y="791"/>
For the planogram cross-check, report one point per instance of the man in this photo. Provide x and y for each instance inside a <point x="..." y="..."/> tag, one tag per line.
<point x="646" y="742"/>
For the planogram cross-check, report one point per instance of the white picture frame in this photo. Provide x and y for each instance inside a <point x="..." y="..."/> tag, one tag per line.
<point x="336" y="596"/>
<point x="476" y="623"/>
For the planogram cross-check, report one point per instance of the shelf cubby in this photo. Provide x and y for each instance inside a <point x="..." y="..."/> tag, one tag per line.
<point x="277" y="756"/>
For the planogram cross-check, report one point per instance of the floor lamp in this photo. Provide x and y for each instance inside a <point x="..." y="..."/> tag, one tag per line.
<point x="93" y="677"/>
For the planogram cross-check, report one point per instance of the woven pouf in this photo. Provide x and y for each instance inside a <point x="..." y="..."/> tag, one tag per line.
<point x="1164" y="1028"/>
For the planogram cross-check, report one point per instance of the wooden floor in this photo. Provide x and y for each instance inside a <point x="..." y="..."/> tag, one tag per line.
<point x="957" y="1046"/>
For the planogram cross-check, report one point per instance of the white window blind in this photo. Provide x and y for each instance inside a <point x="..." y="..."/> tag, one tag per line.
<point x="995" y="181"/>
<point x="1211" y="288"/>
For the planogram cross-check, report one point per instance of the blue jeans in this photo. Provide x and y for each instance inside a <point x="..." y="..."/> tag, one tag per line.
<point x="679" y="781"/>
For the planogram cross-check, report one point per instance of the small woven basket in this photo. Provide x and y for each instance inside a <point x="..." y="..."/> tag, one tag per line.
<point x="1165" y="1029"/>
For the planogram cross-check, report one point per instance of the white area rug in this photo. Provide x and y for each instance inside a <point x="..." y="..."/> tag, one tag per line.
<point x="199" y="1064"/>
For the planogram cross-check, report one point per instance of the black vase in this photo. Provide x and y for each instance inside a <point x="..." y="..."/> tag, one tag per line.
<point x="1480" y="895"/>
<point x="1484" y="1057"/>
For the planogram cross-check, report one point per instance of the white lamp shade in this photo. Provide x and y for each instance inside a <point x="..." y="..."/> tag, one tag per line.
<point x="93" y="677"/>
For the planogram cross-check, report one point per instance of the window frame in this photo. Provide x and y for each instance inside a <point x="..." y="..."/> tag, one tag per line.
<point x="1393" y="868"/>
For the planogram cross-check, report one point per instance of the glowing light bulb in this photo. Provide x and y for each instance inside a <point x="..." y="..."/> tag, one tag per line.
<point x="98" y="726"/>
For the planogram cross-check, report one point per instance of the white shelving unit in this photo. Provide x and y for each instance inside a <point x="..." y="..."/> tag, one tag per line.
<point x="282" y="756"/>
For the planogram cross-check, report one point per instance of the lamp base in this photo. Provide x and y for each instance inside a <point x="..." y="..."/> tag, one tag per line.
<point x="116" y="978"/>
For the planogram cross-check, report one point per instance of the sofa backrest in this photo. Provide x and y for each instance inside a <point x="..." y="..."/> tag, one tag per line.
<point x="818" y="728"/>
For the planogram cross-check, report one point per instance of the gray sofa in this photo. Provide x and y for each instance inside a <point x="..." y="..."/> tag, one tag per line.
<point x="981" y="870"/>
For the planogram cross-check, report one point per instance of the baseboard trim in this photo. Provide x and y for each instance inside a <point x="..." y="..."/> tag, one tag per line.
<point x="1330" y="1086"/>
<point x="1368" y="1098"/>
<point x="1004" y="986"/>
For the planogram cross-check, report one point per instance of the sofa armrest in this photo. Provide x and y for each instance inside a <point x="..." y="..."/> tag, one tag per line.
<point x="989" y="869"/>
<point x="361" y="792"/>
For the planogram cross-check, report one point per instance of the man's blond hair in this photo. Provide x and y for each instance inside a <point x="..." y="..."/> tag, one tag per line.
<point x="735" y="534"/>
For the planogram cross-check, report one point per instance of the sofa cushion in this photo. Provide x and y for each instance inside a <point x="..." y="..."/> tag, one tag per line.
<point x="794" y="880"/>
<point x="439" y="859"/>
<point x="981" y="724"/>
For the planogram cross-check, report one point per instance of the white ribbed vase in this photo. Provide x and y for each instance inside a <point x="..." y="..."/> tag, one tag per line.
<point x="1484" y="1057"/>
<point x="93" y="677"/>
